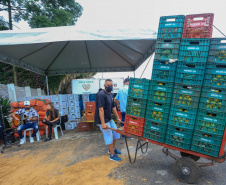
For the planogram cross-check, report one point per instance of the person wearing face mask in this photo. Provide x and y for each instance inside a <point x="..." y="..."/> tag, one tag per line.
<point x="31" y="115"/>
<point x="104" y="107"/>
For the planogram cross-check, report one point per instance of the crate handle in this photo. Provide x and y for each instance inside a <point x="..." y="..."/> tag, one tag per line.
<point x="223" y="41"/>
<point x="158" y="104"/>
<point x="133" y="118"/>
<point x="190" y="65"/>
<point x="210" y="114"/>
<point x="167" y="40"/>
<point x="214" y="90"/>
<point x="161" y="83"/>
<point x="180" y="129"/>
<point x="198" y="18"/>
<point x="207" y="135"/>
<point x="156" y="124"/>
<point x="194" y="42"/>
<point x="221" y="66"/>
<point x="170" y="20"/>
<point x="187" y="87"/>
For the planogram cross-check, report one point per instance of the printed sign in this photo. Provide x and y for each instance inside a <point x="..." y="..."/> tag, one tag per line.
<point x="85" y="86"/>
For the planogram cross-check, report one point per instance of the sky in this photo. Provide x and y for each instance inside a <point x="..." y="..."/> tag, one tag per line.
<point x="141" y="14"/>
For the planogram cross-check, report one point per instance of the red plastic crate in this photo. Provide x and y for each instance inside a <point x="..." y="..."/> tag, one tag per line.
<point x="90" y="106"/>
<point x="119" y="115"/>
<point x="133" y="129"/>
<point x="198" y="28"/>
<point x="133" y="120"/>
<point x="89" y="115"/>
<point x="84" y="126"/>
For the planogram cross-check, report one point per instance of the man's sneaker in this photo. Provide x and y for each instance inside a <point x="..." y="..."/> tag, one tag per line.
<point x="115" y="158"/>
<point x="22" y="141"/>
<point x="32" y="140"/>
<point x="116" y="151"/>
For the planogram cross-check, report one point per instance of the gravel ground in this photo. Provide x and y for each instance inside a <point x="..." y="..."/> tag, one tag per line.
<point x="150" y="168"/>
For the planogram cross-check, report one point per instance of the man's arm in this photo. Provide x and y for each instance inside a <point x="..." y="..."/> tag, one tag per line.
<point x="117" y="104"/>
<point x="101" y="115"/>
<point x="13" y="115"/>
<point x="116" y="114"/>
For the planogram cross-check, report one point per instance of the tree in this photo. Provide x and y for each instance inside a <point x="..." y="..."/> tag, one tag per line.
<point x="43" y="13"/>
<point x="3" y="24"/>
<point x="38" y="13"/>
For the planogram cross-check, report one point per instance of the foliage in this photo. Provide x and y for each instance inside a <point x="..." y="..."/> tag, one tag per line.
<point x="45" y="13"/>
<point x="5" y="102"/>
<point x="3" y="25"/>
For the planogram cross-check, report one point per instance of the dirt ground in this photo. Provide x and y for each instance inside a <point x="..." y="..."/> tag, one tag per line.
<point x="82" y="159"/>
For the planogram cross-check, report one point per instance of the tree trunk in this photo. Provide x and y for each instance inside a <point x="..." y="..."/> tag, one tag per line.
<point x="15" y="75"/>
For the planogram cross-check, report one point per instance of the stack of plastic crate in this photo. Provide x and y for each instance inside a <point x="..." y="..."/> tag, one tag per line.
<point x="211" y="117"/>
<point x="190" y="72"/>
<point x="74" y="108"/>
<point x="90" y="110"/>
<point x="163" y="77"/>
<point x="85" y="98"/>
<point x="60" y="103"/>
<point x="136" y="106"/>
<point x="92" y="97"/>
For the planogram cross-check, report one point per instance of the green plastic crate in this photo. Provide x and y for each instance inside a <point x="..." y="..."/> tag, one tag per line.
<point x="213" y="99"/>
<point x="136" y="107"/>
<point x="157" y="112"/>
<point x="160" y="91"/>
<point x="138" y="88"/>
<point x="206" y="143"/>
<point x="182" y="117"/>
<point x="154" y="131"/>
<point x="210" y="122"/>
<point x="179" y="137"/>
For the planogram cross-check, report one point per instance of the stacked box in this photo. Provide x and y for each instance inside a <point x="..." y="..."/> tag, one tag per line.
<point x="85" y="98"/>
<point x="163" y="77"/>
<point x="136" y="106"/>
<point x="198" y="26"/>
<point x="171" y="26"/>
<point x="90" y="110"/>
<point x="211" y="119"/>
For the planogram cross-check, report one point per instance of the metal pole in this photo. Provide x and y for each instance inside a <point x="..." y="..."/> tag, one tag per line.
<point x="47" y="85"/>
<point x="134" y="74"/>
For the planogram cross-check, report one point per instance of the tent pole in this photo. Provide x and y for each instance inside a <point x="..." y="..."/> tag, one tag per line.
<point x="47" y="85"/>
<point x="134" y="74"/>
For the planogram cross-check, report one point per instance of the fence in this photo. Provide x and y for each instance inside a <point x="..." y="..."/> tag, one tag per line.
<point x="15" y="93"/>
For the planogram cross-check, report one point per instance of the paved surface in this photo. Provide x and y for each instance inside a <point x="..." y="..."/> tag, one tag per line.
<point x="150" y="168"/>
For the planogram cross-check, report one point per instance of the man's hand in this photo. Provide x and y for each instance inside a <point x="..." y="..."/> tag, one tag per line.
<point x="119" y="120"/>
<point x="104" y="126"/>
<point x="17" y="119"/>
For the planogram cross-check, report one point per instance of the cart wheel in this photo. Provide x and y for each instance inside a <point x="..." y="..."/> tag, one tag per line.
<point x="186" y="170"/>
<point x="194" y="157"/>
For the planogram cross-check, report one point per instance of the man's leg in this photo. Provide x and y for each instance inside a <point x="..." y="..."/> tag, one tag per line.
<point x="115" y="136"/>
<point x="20" y="129"/>
<point x="114" y="142"/>
<point x="111" y="149"/>
<point x="35" y="129"/>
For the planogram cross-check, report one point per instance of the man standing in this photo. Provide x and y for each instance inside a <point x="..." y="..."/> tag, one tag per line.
<point x="104" y="107"/>
<point x="31" y="115"/>
<point x="121" y="99"/>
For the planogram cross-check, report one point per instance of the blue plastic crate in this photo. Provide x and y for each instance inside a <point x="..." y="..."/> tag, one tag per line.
<point x="215" y="75"/>
<point x="182" y="117"/>
<point x="179" y="137"/>
<point x="163" y="71"/>
<point x="217" y="51"/>
<point x="213" y="99"/>
<point x="155" y="131"/>
<point x="190" y="73"/>
<point x="210" y="121"/>
<point x="157" y="112"/>
<point x="206" y="143"/>
<point x="136" y="107"/>
<point x="160" y="91"/>
<point x="194" y="50"/>
<point x="171" y="26"/>
<point x="186" y="95"/>
<point x="166" y="49"/>
<point x="92" y="97"/>
<point x="138" y="88"/>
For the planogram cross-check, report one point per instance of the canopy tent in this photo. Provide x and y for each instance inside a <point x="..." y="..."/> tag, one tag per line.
<point x="68" y="50"/>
